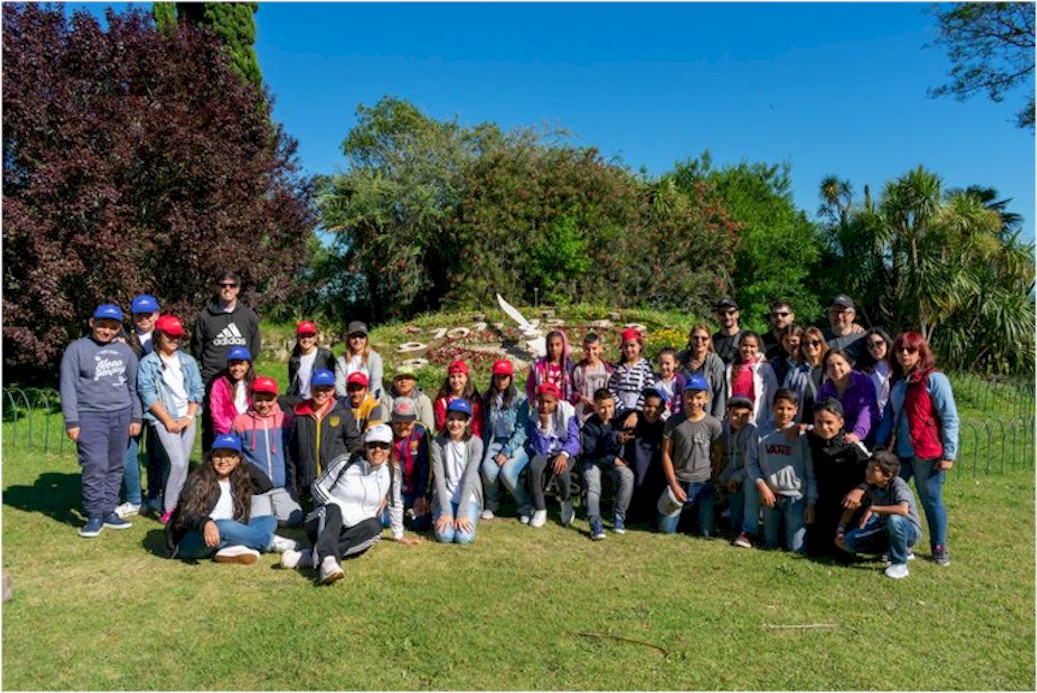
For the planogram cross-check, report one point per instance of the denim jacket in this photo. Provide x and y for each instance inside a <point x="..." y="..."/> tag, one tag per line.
<point x="516" y="419"/>
<point x="152" y="388"/>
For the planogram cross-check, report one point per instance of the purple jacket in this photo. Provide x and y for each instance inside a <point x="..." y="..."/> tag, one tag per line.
<point x="564" y="420"/>
<point x="860" y="405"/>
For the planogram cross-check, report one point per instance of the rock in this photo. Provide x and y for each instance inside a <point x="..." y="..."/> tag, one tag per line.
<point x="479" y="317"/>
<point x="615" y="317"/>
<point x="412" y="329"/>
<point x="479" y="327"/>
<point x="554" y="322"/>
<point x="547" y="313"/>
<point x="415" y="363"/>
<point x="438" y="332"/>
<point x="601" y="324"/>
<point x="409" y="347"/>
<point x="458" y="332"/>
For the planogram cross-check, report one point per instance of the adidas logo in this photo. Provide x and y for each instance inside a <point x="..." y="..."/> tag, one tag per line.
<point x="230" y="336"/>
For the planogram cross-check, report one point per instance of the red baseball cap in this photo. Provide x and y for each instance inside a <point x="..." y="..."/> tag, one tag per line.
<point x="357" y="378"/>
<point x="263" y="384"/>
<point x="171" y="325"/>
<point x="631" y="334"/>
<point x="503" y="367"/>
<point x="458" y="367"/>
<point x="549" y="389"/>
<point x="306" y="327"/>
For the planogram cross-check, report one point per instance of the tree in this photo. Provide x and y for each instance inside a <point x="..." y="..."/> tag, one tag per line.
<point x="134" y="162"/>
<point x="233" y="22"/>
<point x="991" y="48"/>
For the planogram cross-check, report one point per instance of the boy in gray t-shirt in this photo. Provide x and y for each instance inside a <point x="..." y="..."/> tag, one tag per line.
<point x="691" y="456"/>
<point x="890" y="521"/>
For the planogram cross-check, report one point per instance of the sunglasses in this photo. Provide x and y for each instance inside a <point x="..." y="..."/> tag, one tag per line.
<point x="699" y="338"/>
<point x="729" y="311"/>
<point x="812" y="342"/>
<point x="358" y="336"/>
<point x="907" y="349"/>
<point x="378" y="446"/>
<point x="875" y="345"/>
<point x="227" y="285"/>
<point x="781" y="314"/>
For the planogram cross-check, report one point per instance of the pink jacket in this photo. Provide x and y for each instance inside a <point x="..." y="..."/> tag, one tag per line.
<point x="221" y="404"/>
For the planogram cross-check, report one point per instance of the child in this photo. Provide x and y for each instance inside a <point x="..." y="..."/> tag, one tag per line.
<point x="410" y="453"/>
<point x="321" y="431"/>
<point x="228" y="397"/>
<point x="456" y="456"/>
<point x="838" y="468"/>
<point x="644" y="453"/>
<point x="143" y="313"/>
<point x="630" y="376"/>
<point x="171" y="390"/>
<point x="780" y="475"/>
<point x="752" y="377"/>
<point x="350" y="495"/>
<point x="737" y="433"/>
<point x="101" y="410"/>
<point x="507" y="416"/>
<point x="458" y="384"/>
<point x="365" y="409"/>
<point x="603" y="441"/>
<point x="555" y="367"/>
<point x="263" y="431"/>
<point x="358" y="357"/>
<point x="217" y="517"/>
<point x="588" y="376"/>
<point x="669" y="382"/>
<point x="306" y="358"/>
<point x="691" y="451"/>
<point x="553" y="439"/>
<point x="405" y="384"/>
<point x="890" y="522"/>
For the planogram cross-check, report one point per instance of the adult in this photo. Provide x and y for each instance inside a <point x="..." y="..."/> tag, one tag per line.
<point x="358" y="357"/>
<point x="307" y="357"/>
<point x="725" y="340"/>
<point x="405" y="384"/>
<point x="781" y="318"/>
<point x="875" y="361"/>
<point x="224" y="323"/>
<point x="805" y="379"/>
<point x="789" y="355"/>
<point x="143" y="314"/>
<point x="921" y="427"/>
<point x="700" y="358"/>
<point x="855" y="393"/>
<point x="843" y="332"/>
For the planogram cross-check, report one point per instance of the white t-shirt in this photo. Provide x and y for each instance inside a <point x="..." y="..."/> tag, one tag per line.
<point x="454" y="466"/>
<point x="241" y="397"/>
<point x="143" y="338"/>
<point x="880" y="378"/>
<point x="173" y="377"/>
<point x="224" y="509"/>
<point x="355" y="365"/>
<point x="306" y="362"/>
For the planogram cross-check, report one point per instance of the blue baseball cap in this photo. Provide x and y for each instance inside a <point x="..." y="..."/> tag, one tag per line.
<point x="322" y="377"/>
<point x="109" y="311"/>
<point x="239" y="353"/>
<point x="227" y="441"/>
<point x="460" y="405"/>
<point x="145" y="303"/>
<point x="696" y="382"/>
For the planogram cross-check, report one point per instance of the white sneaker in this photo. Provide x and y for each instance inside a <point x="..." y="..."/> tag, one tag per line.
<point x="127" y="509"/>
<point x="281" y="544"/>
<point x="297" y="559"/>
<point x="487" y="514"/>
<point x="567" y="513"/>
<point x="539" y="518"/>
<point x="524" y="519"/>
<point x="897" y="571"/>
<point x="330" y="571"/>
<point x="237" y="554"/>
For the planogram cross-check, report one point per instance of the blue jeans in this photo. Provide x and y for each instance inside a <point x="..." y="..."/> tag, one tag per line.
<point x="792" y="510"/>
<point x="508" y="474"/>
<point x="700" y="495"/>
<point x="895" y="535"/>
<point x="454" y="535"/>
<point x="131" y="473"/>
<point x="929" y="483"/>
<point x="417" y="523"/>
<point x="257" y="534"/>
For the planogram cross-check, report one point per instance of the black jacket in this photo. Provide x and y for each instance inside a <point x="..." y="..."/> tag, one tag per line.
<point x="324" y="359"/>
<point x="216" y="331"/>
<point x="339" y="435"/>
<point x="838" y="466"/>
<point x="601" y="441"/>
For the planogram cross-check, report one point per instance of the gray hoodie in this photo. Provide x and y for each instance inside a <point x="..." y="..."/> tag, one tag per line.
<point x="98" y="378"/>
<point x="785" y="465"/>
<point x="469" y="481"/>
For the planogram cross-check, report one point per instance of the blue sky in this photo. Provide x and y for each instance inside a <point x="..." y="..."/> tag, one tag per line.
<point x="830" y="88"/>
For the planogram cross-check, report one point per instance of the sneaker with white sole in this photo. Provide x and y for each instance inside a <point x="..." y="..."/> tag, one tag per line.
<point x="113" y="521"/>
<point x="92" y="528"/>
<point x="297" y="559"/>
<point x="281" y="544"/>
<point x="486" y="514"/>
<point x="743" y="541"/>
<point x="897" y="571"/>
<point x="539" y="518"/>
<point x="618" y="525"/>
<point x="567" y="513"/>
<point x="330" y="571"/>
<point x="127" y="509"/>
<point x="237" y="554"/>
<point x="524" y="519"/>
<point x="942" y="556"/>
<point x="597" y="531"/>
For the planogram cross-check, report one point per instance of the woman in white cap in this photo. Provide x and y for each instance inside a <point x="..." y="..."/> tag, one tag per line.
<point x="349" y="496"/>
<point x="358" y="357"/>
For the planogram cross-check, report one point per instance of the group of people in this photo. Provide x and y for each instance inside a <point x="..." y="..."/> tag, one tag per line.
<point x="804" y="438"/>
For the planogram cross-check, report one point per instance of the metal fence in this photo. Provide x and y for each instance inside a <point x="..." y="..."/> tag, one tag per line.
<point x="999" y="438"/>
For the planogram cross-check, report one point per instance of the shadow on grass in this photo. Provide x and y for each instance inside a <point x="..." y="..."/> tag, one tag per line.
<point x="155" y="542"/>
<point x="53" y="494"/>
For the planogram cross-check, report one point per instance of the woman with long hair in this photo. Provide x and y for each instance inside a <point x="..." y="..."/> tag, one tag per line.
<point x="806" y="378"/>
<point x="855" y="392"/>
<point x="874" y="359"/>
<point x="700" y="358"/>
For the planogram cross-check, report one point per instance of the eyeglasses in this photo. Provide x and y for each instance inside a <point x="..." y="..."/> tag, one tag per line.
<point x="378" y="446"/>
<point x="875" y="345"/>
<point x="227" y="285"/>
<point x="812" y="342"/>
<point x="780" y="314"/>
<point x="699" y="338"/>
<point x="908" y="349"/>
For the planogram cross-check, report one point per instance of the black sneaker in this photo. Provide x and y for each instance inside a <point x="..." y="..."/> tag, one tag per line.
<point x="942" y="556"/>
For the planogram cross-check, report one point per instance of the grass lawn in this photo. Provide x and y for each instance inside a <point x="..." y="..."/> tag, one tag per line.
<point x="512" y="611"/>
